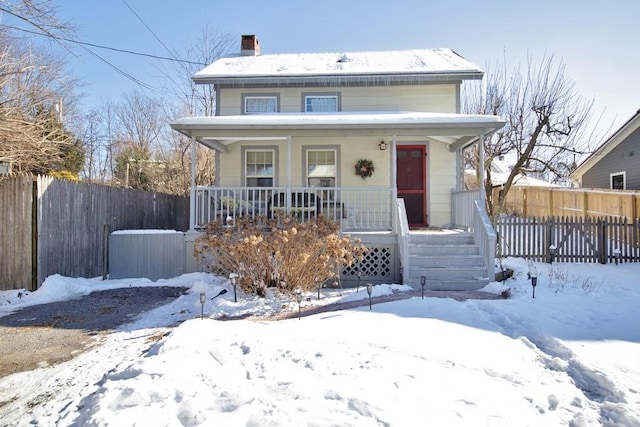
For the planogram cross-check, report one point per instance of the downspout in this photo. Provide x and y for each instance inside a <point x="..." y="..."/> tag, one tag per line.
<point x="192" y="196"/>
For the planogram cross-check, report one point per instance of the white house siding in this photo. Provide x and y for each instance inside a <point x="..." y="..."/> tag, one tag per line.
<point x="437" y="98"/>
<point x="351" y="150"/>
<point x="441" y="179"/>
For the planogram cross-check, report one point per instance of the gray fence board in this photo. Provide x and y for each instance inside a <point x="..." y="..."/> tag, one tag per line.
<point x="15" y="232"/>
<point x="70" y="222"/>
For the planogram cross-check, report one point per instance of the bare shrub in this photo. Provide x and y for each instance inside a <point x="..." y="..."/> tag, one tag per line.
<point x="278" y="252"/>
<point x="560" y="278"/>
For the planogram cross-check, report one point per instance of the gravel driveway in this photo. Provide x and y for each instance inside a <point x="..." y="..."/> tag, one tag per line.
<point x="51" y="333"/>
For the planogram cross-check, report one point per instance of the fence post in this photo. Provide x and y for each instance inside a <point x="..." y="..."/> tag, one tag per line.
<point x="602" y="241"/>
<point x="549" y="234"/>
<point x="105" y="251"/>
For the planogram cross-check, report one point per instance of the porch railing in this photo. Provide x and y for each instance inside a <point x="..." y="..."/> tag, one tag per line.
<point x="462" y="207"/>
<point x="403" y="240"/>
<point x="355" y="208"/>
<point x="484" y="235"/>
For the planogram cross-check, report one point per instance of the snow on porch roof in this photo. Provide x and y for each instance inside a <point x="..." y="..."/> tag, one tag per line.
<point x="417" y="61"/>
<point x="457" y="130"/>
<point x="346" y="119"/>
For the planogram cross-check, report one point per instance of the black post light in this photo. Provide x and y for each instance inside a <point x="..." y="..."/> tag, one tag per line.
<point x="234" y="282"/>
<point x="203" y="298"/>
<point x="319" y="287"/>
<point x="553" y="251"/>
<point x="617" y="254"/>
<point x="299" y="300"/>
<point x="534" y="282"/>
<point x="423" y="281"/>
<point x="369" y="291"/>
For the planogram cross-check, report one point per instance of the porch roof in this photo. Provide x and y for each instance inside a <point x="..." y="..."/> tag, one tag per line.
<point x="456" y="130"/>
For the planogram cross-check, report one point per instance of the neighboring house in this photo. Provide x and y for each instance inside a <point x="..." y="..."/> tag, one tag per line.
<point x="291" y="130"/>
<point x="616" y="163"/>
<point x="500" y="172"/>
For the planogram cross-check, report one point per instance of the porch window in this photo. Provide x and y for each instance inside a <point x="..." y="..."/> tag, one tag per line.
<point x="320" y="103"/>
<point x="617" y="181"/>
<point x="259" y="168"/>
<point x="260" y="104"/>
<point x="321" y="170"/>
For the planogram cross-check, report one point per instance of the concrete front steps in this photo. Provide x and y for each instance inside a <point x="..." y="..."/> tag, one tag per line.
<point x="448" y="259"/>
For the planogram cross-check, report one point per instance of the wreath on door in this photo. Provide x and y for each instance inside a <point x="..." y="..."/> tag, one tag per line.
<point x="364" y="168"/>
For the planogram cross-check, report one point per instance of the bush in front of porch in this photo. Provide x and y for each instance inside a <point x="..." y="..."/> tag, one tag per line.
<point x="278" y="252"/>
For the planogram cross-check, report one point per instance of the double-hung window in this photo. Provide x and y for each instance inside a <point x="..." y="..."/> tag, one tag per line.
<point x="617" y="181"/>
<point x="259" y="168"/>
<point x="320" y="103"/>
<point x="321" y="170"/>
<point x="259" y="104"/>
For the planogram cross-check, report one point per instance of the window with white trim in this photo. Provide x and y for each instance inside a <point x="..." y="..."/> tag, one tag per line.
<point x="259" y="168"/>
<point x="320" y="103"/>
<point x="260" y="104"/>
<point x="617" y="181"/>
<point x="321" y="170"/>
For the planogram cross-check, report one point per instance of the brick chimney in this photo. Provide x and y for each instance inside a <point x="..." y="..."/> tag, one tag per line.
<point x="250" y="46"/>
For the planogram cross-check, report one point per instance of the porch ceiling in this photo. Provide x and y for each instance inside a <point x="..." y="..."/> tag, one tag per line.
<point x="456" y="130"/>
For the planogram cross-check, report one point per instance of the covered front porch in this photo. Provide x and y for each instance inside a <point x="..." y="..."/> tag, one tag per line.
<point x="371" y="208"/>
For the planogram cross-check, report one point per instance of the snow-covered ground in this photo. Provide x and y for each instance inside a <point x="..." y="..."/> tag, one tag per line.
<point x="570" y="357"/>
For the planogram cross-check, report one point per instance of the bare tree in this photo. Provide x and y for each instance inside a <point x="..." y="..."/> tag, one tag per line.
<point x="545" y="123"/>
<point x="38" y="15"/>
<point x="33" y="88"/>
<point x="195" y="100"/>
<point x="198" y="100"/>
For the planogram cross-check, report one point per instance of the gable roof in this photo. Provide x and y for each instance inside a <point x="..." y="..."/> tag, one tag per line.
<point x="441" y="63"/>
<point x="607" y="146"/>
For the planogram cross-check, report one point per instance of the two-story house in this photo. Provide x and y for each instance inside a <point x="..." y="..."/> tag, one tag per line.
<point x="374" y="140"/>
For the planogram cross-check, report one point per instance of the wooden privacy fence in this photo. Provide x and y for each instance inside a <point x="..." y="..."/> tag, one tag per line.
<point x="570" y="239"/>
<point x="50" y="226"/>
<point x="553" y="201"/>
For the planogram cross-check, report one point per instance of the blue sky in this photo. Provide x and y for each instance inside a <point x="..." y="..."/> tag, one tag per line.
<point x="597" y="40"/>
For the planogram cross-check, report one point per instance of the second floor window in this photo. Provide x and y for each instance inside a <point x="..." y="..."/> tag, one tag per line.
<point x="260" y="104"/>
<point x="319" y="104"/>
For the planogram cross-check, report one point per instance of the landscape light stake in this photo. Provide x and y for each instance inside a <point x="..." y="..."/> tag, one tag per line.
<point x="423" y="281"/>
<point x="369" y="291"/>
<point x="553" y="251"/>
<point x="359" y="277"/>
<point x="233" y="277"/>
<point x="319" y="287"/>
<point x="299" y="300"/>
<point x="534" y="282"/>
<point x="617" y="255"/>
<point x="203" y="298"/>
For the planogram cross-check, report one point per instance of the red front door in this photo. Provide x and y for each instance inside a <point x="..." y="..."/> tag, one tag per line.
<point x="412" y="182"/>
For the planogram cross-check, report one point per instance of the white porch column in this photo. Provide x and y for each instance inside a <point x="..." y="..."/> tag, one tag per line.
<point x="483" y="196"/>
<point x="192" y="195"/>
<point x="394" y="182"/>
<point x="289" y="168"/>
